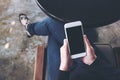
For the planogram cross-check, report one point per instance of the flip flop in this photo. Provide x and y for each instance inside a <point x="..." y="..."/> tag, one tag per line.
<point x="24" y="17"/>
<point x="25" y="23"/>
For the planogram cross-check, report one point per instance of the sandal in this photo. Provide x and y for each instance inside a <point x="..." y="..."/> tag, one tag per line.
<point x="24" y="20"/>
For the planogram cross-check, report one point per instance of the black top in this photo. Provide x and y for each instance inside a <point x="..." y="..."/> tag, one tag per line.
<point x="96" y="71"/>
<point x="93" y="13"/>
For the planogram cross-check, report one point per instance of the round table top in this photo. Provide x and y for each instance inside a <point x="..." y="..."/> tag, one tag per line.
<point x="92" y="13"/>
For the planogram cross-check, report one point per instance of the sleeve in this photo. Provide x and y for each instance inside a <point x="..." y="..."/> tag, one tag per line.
<point x="39" y="28"/>
<point x="63" y="75"/>
<point x="106" y="71"/>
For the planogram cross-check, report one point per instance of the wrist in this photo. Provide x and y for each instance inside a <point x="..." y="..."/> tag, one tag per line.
<point x="92" y="60"/>
<point x="63" y="67"/>
<point x="89" y="61"/>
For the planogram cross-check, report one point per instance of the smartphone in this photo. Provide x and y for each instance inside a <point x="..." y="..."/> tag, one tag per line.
<point x="74" y="33"/>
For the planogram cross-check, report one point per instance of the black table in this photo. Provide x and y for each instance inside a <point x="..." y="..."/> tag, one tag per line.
<point x="93" y="13"/>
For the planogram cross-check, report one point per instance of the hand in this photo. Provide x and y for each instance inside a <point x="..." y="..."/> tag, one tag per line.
<point x="90" y="57"/>
<point x="66" y="61"/>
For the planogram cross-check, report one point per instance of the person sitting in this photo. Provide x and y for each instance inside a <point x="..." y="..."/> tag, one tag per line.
<point x="90" y="67"/>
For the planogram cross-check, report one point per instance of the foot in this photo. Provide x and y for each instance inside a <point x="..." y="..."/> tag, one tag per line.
<point x="24" y="20"/>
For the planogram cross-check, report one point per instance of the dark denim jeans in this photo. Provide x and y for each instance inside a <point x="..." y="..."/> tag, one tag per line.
<point x="55" y="32"/>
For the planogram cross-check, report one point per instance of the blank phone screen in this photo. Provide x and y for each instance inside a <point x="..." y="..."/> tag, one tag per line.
<point x="75" y="40"/>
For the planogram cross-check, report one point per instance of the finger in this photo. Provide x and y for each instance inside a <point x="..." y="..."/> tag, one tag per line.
<point x="66" y="44"/>
<point x="86" y="41"/>
<point x="66" y="47"/>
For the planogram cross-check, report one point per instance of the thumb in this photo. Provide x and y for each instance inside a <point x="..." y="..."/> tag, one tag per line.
<point x="65" y="45"/>
<point x="87" y="43"/>
<point x="65" y="42"/>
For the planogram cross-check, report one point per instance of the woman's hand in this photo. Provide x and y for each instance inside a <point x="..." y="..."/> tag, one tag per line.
<point x="66" y="61"/>
<point x="90" y="57"/>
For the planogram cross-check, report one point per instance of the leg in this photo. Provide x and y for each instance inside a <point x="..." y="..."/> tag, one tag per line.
<point x="53" y="59"/>
<point x="37" y="28"/>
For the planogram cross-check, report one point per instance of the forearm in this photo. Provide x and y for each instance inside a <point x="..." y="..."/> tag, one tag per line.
<point x="103" y="69"/>
<point x="63" y="72"/>
<point x="110" y="73"/>
<point x="63" y="75"/>
<point x="63" y="67"/>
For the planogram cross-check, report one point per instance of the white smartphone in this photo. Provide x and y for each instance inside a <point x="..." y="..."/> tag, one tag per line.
<point x="74" y="33"/>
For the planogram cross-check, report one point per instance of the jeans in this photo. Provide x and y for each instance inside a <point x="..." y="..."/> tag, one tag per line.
<point x="55" y="32"/>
